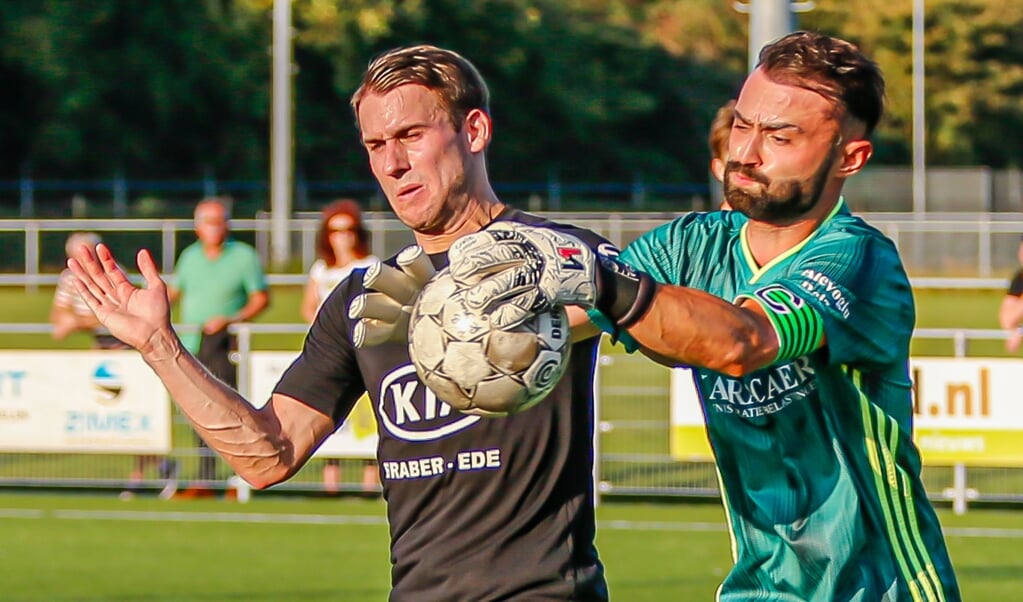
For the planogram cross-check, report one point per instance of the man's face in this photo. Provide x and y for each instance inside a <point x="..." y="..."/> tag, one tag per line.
<point x="416" y="155"/>
<point x="783" y="148"/>
<point x="211" y="224"/>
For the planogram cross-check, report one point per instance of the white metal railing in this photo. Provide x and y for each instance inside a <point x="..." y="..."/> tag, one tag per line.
<point x="927" y="242"/>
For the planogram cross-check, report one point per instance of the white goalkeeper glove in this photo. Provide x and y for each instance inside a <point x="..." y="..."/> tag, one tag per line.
<point x="382" y="314"/>
<point x="514" y="271"/>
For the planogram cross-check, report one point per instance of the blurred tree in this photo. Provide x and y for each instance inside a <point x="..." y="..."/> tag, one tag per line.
<point x="974" y="74"/>
<point x="573" y="94"/>
<point x="599" y="90"/>
<point x="154" y="89"/>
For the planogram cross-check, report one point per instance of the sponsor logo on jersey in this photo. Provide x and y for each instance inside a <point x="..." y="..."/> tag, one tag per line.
<point x="410" y="411"/>
<point x="828" y="293"/>
<point x="759" y="394"/>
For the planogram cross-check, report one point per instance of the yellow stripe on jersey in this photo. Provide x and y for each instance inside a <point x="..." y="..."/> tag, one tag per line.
<point x="896" y="499"/>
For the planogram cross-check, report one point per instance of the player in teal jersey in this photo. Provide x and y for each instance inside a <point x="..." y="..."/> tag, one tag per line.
<point x="797" y="318"/>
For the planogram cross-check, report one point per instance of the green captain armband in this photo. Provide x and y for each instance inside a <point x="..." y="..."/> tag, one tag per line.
<point x="798" y="325"/>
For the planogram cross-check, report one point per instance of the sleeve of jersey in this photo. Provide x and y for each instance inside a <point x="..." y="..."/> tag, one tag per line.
<point x="255" y="278"/>
<point x="854" y="293"/>
<point x="326" y="375"/>
<point x="660" y="253"/>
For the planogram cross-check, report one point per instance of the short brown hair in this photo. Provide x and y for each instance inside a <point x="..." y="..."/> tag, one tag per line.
<point x="448" y="74"/>
<point x="341" y="207"/>
<point x="831" y="67"/>
<point x="720" y="129"/>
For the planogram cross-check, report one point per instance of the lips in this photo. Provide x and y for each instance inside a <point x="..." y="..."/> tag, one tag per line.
<point x="742" y="180"/>
<point x="409" y="190"/>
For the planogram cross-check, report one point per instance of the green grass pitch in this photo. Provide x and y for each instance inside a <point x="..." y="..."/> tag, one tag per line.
<point x="89" y="549"/>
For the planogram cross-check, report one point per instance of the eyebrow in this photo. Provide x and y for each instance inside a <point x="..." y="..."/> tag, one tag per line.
<point x="771" y="126"/>
<point x="402" y="131"/>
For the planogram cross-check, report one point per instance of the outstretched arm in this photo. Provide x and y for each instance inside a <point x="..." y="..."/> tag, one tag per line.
<point x="513" y="270"/>
<point x="263" y="446"/>
<point x="695" y="328"/>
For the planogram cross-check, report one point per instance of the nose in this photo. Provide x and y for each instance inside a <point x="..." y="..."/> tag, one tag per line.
<point x="745" y="147"/>
<point x="395" y="159"/>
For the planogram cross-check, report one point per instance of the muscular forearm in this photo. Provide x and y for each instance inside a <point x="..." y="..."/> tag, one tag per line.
<point x="250" y="440"/>
<point x="694" y="328"/>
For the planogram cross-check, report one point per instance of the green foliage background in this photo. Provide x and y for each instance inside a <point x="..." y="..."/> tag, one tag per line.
<point x="597" y="90"/>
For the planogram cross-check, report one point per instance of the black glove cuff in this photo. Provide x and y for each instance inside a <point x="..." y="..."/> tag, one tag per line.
<point x="624" y="294"/>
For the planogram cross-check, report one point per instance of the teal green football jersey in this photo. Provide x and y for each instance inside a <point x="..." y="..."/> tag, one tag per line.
<point x="819" y="474"/>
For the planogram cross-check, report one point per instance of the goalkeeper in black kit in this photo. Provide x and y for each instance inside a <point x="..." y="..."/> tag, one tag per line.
<point x="478" y="508"/>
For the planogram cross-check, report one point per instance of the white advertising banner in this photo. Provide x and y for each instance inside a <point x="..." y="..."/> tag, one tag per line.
<point x="357" y="437"/>
<point x="82" y="401"/>
<point x="965" y="411"/>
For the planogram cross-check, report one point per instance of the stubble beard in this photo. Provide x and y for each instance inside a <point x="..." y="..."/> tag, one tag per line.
<point x="441" y="212"/>
<point x="789" y="200"/>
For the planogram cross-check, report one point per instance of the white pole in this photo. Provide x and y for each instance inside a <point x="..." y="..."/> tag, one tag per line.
<point x="280" y="134"/>
<point x="768" y="21"/>
<point x="919" y="124"/>
<point x="959" y="491"/>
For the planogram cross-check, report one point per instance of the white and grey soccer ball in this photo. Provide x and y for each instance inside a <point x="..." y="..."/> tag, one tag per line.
<point x="480" y="369"/>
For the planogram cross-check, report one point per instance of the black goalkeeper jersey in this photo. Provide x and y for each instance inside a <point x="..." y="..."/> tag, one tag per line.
<point x="479" y="508"/>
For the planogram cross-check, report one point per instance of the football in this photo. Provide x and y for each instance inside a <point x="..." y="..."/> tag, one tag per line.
<point x="479" y="369"/>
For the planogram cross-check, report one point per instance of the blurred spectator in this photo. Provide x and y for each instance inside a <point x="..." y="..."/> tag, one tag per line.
<point x="68" y="314"/>
<point x="219" y="281"/>
<point x="720" y="129"/>
<point x="342" y="246"/>
<point x="1010" y="314"/>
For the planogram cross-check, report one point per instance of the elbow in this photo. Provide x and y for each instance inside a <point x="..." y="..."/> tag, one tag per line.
<point x="735" y="361"/>
<point x="264" y="478"/>
<point x="260" y="483"/>
<point x="748" y="351"/>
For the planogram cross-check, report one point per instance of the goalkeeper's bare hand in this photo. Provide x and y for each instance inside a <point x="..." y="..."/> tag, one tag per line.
<point x="132" y="314"/>
<point x="382" y="313"/>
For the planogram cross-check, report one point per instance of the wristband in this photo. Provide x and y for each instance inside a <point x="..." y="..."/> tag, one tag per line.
<point x="624" y="294"/>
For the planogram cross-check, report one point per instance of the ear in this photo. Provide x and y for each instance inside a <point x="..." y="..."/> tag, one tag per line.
<point x="717" y="169"/>
<point x="478" y="129"/>
<point x="855" y="155"/>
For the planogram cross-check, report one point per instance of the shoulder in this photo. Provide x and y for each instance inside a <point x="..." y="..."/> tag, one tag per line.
<point x="239" y="247"/>
<point x="696" y="229"/>
<point x="317" y="269"/>
<point x="589" y="237"/>
<point x="65" y="286"/>
<point x="852" y="238"/>
<point x="189" y="256"/>
<point x="190" y="251"/>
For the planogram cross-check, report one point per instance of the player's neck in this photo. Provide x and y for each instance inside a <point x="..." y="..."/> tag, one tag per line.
<point x="343" y="256"/>
<point x="477" y="215"/>
<point x="213" y="250"/>
<point x="767" y="241"/>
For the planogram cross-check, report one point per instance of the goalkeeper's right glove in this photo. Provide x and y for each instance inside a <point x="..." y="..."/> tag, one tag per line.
<point x="515" y="271"/>
<point x="382" y="313"/>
